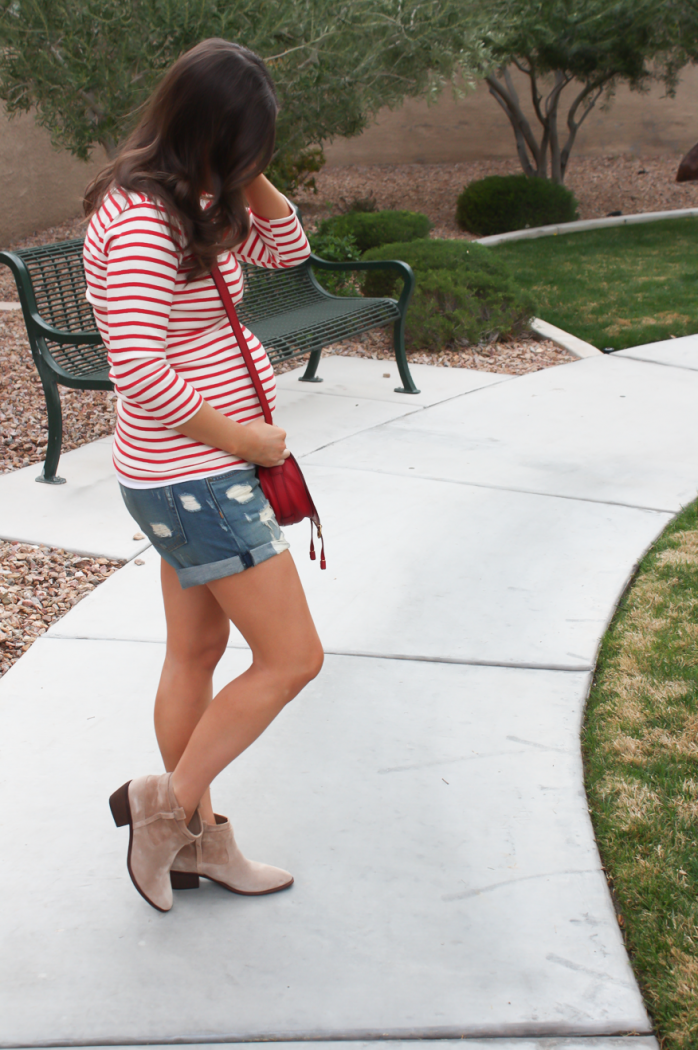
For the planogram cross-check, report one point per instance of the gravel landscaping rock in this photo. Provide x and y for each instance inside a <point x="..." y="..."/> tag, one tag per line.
<point x="510" y="358"/>
<point x="37" y="586"/>
<point x="87" y="414"/>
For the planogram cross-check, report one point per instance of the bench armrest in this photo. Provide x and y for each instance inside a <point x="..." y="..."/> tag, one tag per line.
<point x="32" y="317"/>
<point x="57" y="336"/>
<point x="402" y="268"/>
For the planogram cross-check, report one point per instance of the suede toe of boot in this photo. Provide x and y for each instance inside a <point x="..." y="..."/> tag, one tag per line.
<point x="218" y="857"/>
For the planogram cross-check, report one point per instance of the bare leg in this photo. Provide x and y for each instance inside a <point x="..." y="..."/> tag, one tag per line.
<point x="197" y="634"/>
<point x="268" y="606"/>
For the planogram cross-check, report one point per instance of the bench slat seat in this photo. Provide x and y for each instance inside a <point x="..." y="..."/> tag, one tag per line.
<point x="288" y="311"/>
<point x="299" y="331"/>
<point x="77" y="362"/>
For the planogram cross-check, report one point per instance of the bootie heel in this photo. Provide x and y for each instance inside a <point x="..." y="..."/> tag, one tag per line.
<point x="158" y="831"/>
<point x="120" y="809"/>
<point x="183" y="880"/>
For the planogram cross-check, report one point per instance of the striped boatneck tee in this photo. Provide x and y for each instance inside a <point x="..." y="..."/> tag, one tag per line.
<point x="170" y="345"/>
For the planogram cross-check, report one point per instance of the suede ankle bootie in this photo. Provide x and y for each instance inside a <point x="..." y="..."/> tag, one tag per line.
<point x="158" y="832"/>
<point x="217" y="856"/>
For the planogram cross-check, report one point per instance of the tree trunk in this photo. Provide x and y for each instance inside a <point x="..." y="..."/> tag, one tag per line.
<point x="533" y="161"/>
<point x="533" y="152"/>
<point x="552" y="104"/>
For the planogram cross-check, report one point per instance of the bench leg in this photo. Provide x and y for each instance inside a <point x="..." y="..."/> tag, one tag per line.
<point x="408" y="386"/>
<point x="309" y="374"/>
<point x="55" y="433"/>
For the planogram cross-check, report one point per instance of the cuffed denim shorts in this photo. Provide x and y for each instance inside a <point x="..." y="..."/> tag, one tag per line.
<point x="210" y="528"/>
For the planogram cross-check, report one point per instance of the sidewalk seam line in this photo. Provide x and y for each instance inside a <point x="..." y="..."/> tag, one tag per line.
<point x="497" y="488"/>
<point x="411" y="411"/>
<point x="659" y="364"/>
<point x="526" y="1031"/>
<point x="353" y="654"/>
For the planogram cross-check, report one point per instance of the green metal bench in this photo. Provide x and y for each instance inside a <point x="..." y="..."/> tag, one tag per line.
<point x="286" y="309"/>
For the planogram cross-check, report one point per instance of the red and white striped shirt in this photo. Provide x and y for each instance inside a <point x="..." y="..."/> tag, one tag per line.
<point x="170" y="343"/>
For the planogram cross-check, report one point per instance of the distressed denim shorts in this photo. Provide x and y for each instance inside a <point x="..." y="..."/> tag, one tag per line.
<point x="210" y="528"/>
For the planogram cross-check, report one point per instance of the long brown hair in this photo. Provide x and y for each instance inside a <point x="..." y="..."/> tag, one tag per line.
<point x="208" y="128"/>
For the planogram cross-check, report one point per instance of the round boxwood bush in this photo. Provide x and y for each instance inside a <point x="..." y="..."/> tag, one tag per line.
<point x="372" y="229"/>
<point x="501" y="203"/>
<point x="463" y="294"/>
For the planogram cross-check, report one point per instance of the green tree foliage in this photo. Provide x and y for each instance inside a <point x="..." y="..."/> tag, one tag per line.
<point x="87" y="66"/>
<point x="586" y="46"/>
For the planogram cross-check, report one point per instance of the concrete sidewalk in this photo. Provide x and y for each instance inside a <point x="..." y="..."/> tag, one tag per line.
<point x="426" y="790"/>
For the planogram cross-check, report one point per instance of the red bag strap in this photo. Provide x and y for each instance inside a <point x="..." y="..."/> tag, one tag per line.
<point x="241" y="341"/>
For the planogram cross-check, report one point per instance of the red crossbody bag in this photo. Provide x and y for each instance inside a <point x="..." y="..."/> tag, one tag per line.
<point x="284" y="486"/>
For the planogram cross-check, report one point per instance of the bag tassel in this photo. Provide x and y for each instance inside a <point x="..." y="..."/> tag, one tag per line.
<point x="323" y="563"/>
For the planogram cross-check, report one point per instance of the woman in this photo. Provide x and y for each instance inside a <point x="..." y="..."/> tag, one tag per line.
<point x="187" y="191"/>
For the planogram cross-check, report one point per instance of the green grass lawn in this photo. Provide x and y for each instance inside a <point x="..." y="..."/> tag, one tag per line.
<point x="615" y="287"/>
<point x="640" y="745"/>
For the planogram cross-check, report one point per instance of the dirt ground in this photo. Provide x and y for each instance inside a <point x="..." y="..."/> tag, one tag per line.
<point x="600" y="184"/>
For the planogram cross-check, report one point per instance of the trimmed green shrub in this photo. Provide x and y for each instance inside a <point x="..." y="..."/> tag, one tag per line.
<point x="430" y="255"/>
<point x="501" y="203"/>
<point x="372" y="229"/>
<point x="335" y="249"/>
<point x="463" y="294"/>
<point x="454" y="307"/>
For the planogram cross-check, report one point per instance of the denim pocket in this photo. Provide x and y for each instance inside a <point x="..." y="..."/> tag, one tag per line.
<point x="155" y="511"/>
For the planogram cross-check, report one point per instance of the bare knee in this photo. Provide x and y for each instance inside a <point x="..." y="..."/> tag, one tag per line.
<point x="203" y="652"/>
<point x="305" y="667"/>
<point x="314" y="658"/>
<point x="294" y="674"/>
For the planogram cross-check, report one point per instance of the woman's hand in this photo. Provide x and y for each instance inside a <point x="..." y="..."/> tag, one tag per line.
<point x="263" y="444"/>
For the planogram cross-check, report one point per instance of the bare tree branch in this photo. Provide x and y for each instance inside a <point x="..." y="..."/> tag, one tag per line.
<point x="536" y="96"/>
<point x="590" y="96"/>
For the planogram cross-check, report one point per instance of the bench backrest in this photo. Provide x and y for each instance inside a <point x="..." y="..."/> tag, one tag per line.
<point x="272" y="292"/>
<point x="58" y="281"/>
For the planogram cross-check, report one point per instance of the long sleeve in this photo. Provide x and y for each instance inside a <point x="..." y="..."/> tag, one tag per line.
<point x="274" y="243"/>
<point x="169" y="340"/>
<point x="141" y="270"/>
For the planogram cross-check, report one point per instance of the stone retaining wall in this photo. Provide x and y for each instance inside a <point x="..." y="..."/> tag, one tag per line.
<point x="475" y="128"/>
<point x="40" y="186"/>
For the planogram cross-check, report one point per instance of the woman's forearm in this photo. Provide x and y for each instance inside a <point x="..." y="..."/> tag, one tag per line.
<point x="256" y="442"/>
<point x="265" y="200"/>
<point x="213" y="428"/>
